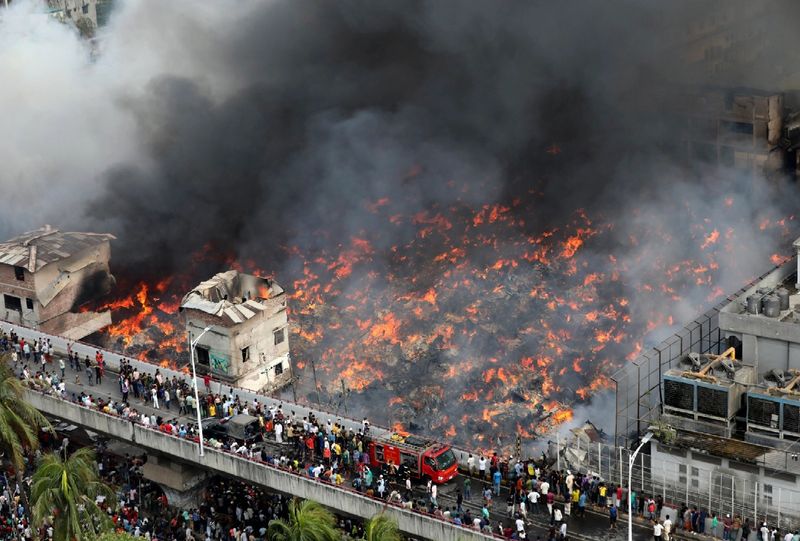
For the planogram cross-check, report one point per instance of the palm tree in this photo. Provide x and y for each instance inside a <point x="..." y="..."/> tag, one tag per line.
<point x="381" y="528"/>
<point x="64" y="494"/>
<point x="19" y="421"/>
<point x="308" y="521"/>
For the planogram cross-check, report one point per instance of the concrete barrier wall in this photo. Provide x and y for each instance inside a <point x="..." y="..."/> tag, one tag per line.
<point x="347" y="501"/>
<point x="92" y="420"/>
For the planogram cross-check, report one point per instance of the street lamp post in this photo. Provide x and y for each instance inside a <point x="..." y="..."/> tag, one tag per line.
<point x="192" y="344"/>
<point x="631" y="460"/>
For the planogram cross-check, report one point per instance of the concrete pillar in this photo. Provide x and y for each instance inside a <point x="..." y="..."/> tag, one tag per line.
<point x="181" y="483"/>
<point x="184" y="499"/>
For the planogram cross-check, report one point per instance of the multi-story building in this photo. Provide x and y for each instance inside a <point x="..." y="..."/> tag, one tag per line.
<point x="247" y="344"/>
<point x="730" y="127"/>
<point x="81" y="13"/>
<point x="733" y="409"/>
<point x="47" y="274"/>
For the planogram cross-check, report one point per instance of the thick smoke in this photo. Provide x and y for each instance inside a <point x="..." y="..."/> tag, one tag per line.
<point x="250" y="127"/>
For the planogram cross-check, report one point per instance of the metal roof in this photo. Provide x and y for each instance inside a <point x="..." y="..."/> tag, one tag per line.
<point x="231" y="295"/>
<point x="35" y="249"/>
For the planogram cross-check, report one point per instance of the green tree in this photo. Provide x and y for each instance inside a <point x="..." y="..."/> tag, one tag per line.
<point x="112" y="535"/>
<point x="19" y="421"/>
<point x="381" y="528"/>
<point x="308" y="521"/>
<point x="64" y="494"/>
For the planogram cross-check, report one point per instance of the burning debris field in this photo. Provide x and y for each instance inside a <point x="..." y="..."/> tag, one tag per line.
<point x="477" y="328"/>
<point x="477" y="214"/>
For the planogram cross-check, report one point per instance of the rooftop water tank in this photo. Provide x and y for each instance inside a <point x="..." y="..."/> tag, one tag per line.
<point x="754" y="304"/>
<point x="771" y="306"/>
<point x="783" y="296"/>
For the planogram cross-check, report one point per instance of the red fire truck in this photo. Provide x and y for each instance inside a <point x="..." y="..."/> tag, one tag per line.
<point x="422" y="458"/>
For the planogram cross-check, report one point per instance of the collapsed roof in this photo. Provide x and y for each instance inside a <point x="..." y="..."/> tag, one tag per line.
<point x="232" y="296"/>
<point x="35" y="249"/>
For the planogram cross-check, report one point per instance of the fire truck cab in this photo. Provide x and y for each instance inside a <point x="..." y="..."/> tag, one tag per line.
<point x="422" y="458"/>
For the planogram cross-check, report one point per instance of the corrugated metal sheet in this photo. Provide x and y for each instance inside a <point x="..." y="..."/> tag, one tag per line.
<point x="233" y="314"/>
<point x="35" y="249"/>
<point x="222" y="296"/>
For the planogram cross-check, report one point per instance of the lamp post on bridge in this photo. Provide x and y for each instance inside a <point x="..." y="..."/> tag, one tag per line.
<point x="647" y="437"/>
<point x="192" y="344"/>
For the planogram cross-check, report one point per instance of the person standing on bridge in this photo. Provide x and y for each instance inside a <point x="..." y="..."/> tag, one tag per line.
<point x="98" y="374"/>
<point x="497" y="477"/>
<point x="154" y="395"/>
<point x="62" y="365"/>
<point x="88" y="364"/>
<point x="278" y="433"/>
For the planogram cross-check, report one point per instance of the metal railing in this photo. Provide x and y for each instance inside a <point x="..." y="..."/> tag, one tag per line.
<point x="714" y="488"/>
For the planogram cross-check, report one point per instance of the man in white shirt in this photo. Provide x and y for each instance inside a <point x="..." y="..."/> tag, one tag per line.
<point x="667" y="529"/>
<point x="563" y="530"/>
<point x="520" y="524"/>
<point x="764" y="532"/>
<point x="658" y="529"/>
<point x="533" y="497"/>
<point x="482" y="467"/>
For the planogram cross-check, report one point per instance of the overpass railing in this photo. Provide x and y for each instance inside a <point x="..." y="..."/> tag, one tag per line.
<point x="253" y="470"/>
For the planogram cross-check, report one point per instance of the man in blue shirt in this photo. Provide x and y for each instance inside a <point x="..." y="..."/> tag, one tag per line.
<point x="497" y="477"/>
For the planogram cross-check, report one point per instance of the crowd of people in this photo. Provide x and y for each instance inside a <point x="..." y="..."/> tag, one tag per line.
<point x="328" y="451"/>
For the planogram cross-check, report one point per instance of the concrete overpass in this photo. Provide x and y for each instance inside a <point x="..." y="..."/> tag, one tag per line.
<point x="112" y="361"/>
<point x="185" y="452"/>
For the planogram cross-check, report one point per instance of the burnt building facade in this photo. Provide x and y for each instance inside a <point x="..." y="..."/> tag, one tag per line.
<point x="45" y="276"/>
<point x="247" y="344"/>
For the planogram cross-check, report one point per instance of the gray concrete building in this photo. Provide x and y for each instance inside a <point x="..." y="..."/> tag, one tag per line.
<point x="729" y="425"/>
<point x="248" y="343"/>
<point x="47" y="274"/>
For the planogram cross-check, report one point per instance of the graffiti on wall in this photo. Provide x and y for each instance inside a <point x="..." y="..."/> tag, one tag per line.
<point x="219" y="363"/>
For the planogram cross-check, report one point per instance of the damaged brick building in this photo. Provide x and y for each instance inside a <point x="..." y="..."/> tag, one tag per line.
<point x="46" y="274"/>
<point x="248" y="344"/>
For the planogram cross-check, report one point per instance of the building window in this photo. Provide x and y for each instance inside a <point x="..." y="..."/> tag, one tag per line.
<point x="19" y="274"/>
<point x="279" y="336"/>
<point x="279" y="369"/>
<point x="767" y="494"/>
<point x="85" y="9"/>
<point x="682" y="468"/>
<point x="29" y="303"/>
<point x="695" y="483"/>
<point x="12" y="303"/>
<point x="202" y="355"/>
<point x="245" y="354"/>
<point x="695" y="472"/>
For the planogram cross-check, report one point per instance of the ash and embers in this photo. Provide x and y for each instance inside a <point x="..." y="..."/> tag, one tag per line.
<point x="478" y="327"/>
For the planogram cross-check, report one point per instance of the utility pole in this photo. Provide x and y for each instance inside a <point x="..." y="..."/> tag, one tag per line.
<point x="344" y="397"/>
<point x="314" y="373"/>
